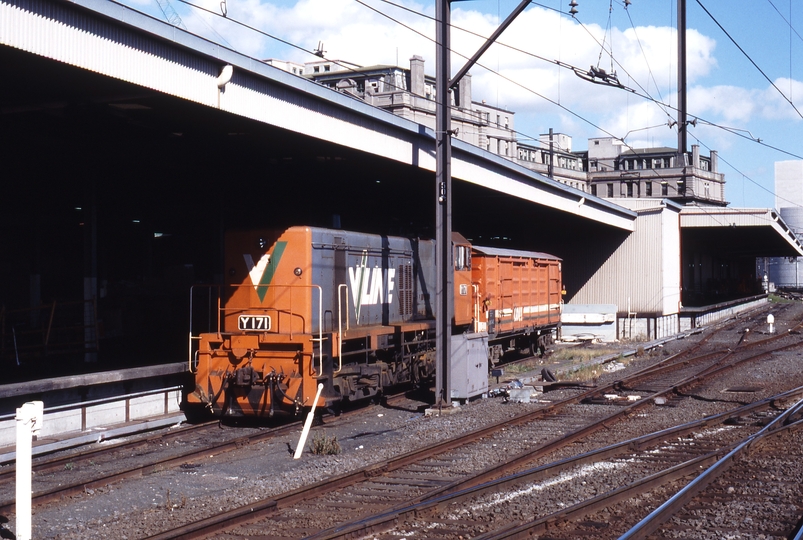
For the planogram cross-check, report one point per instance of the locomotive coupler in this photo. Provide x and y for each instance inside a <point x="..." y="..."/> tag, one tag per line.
<point x="245" y="376"/>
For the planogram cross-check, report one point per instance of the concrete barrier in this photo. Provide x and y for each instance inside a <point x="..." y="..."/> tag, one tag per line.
<point x="97" y="406"/>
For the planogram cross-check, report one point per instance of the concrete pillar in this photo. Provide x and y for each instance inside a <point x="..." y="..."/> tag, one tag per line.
<point x="714" y="161"/>
<point x="695" y="156"/>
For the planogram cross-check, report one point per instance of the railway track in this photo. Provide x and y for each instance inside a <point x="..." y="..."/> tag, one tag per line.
<point x="448" y="466"/>
<point x="96" y="467"/>
<point x="520" y="503"/>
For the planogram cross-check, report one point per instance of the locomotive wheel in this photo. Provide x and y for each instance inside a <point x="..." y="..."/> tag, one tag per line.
<point x="196" y="413"/>
<point x="335" y="409"/>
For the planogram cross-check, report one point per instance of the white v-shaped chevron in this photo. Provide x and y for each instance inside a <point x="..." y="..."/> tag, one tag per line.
<point x="256" y="271"/>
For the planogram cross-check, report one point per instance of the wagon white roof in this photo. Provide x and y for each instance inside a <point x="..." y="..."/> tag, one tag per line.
<point x="502" y="252"/>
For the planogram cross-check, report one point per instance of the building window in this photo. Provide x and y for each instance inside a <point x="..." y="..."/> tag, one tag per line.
<point x="610" y="190"/>
<point x="327" y="68"/>
<point x="594" y="190"/>
<point x="681" y="187"/>
<point x="639" y="163"/>
<point x="629" y="189"/>
<point x="317" y="69"/>
<point x="664" y="189"/>
<point x="648" y="189"/>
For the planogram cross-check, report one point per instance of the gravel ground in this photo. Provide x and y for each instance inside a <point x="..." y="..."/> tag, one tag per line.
<point x="167" y="498"/>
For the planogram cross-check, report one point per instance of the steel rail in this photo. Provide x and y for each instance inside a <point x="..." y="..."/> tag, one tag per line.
<point x="143" y="470"/>
<point x="462" y="489"/>
<point x="59" y="462"/>
<point x="264" y="508"/>
<point x="655" y="519"/>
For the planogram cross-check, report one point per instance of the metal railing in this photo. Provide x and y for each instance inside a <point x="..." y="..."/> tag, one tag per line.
<point x="49" y="329"/>
<point x="220" y="312"/>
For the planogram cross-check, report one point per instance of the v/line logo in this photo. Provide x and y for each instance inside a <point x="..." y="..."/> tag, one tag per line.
<point x="370" y="286"/>
<point x="262" y="272"/>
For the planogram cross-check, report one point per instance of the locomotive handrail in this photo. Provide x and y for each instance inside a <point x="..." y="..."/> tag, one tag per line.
<point x="198" y="338"/>
<point x="319" y="339"/>
<point x="340" y="325"/>
<point x="221" y="309"/>
<point x="320" y="328"/>
<point x="475" y="288"/>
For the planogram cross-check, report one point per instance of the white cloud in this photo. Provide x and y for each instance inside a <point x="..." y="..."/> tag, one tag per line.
<point x="644" y="60"/>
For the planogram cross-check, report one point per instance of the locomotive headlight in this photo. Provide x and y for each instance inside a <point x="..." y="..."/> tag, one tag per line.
<point x="297" y="271"/>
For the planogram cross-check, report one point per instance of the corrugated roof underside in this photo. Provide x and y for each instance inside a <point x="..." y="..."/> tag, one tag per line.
<point x="105" y="38"/>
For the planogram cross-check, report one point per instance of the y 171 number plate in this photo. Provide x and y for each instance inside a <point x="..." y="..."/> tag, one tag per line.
<point x="254" y="323"/>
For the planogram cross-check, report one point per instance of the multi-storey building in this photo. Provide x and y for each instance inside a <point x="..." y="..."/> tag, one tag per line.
<point x="410" y="93"/>
<point x="608" y="169"/>
<point x="553" y="157"/>
<point x="616" y="170"/>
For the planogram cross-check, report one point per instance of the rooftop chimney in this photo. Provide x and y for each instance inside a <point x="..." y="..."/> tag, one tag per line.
<point x="417" y="86"/>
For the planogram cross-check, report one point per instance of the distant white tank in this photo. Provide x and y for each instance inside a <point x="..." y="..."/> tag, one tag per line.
<point x="786" y="272"/>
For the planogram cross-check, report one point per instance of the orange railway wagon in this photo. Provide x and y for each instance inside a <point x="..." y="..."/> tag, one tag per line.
<point x="520" y="297"/>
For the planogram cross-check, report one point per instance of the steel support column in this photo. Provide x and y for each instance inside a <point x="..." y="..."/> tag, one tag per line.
<point x="444" y="289"/>
<point x="682" y="124"/>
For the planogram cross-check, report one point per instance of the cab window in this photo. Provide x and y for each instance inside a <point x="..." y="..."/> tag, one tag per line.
<point x="462" y="258"/>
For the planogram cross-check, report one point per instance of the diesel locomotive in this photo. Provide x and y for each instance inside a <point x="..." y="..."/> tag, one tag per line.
<point x="354" y="312"/>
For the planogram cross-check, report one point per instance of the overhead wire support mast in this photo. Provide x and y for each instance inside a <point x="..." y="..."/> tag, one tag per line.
<point x="444" y="289"/>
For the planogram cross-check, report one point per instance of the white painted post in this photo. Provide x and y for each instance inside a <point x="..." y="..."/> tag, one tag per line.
<point x="29" y="422"/>
<point x="771" y="322"/>
<point x="307" y="424"/>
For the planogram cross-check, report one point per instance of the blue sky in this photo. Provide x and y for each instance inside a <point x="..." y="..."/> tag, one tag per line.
<point x="727" y="93"/>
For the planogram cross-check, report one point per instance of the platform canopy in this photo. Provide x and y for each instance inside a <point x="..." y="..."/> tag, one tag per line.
<point x="141" y="62"/>
<point x="759" y="232"/>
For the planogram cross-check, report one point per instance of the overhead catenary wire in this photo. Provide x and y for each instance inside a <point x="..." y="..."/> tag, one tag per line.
<point x="644" y="95"/>
<point x="736" y="169"/>
<point x="750" y="59"/>
<point x="573" y="113"/>
<point x="791" y="31"/>
<point x="577" y="115"/>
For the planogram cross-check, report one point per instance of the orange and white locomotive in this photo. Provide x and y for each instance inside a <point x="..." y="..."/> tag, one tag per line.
<point x="354" y="312"/>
